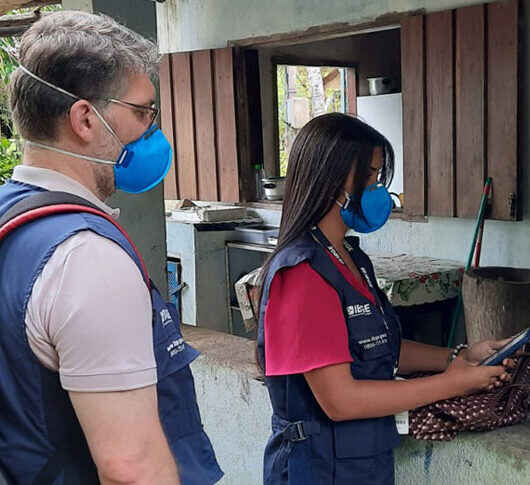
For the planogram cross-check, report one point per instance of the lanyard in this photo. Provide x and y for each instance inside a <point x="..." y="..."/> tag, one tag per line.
<point x="319" y="237"/>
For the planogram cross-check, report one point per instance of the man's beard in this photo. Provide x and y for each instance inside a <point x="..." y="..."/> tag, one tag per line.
<point x="103" y="173"/>
<point x="104" y="178"/>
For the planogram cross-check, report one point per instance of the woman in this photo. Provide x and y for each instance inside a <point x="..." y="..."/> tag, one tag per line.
<point x="329" y="340"/>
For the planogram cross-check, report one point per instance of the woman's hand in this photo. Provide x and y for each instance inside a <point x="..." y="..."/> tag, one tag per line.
<point x="479" y="351"/>
<point x="472" y="377"/>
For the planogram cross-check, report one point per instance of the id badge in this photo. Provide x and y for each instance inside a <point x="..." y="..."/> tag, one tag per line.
<point x="402" y="419"/>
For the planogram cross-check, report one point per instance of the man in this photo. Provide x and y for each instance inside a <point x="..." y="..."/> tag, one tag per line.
<point x="89" y="354"/>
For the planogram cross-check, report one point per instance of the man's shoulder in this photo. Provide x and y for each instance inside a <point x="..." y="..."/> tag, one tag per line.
<point x="91" y="248"/>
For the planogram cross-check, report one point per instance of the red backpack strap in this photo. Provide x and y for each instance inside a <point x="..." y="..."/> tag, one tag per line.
<point x="50" y="203"/>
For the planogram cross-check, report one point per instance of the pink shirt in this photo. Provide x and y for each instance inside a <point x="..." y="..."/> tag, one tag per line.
<point x="304" y="323"/>
<point x="89" y="313"/>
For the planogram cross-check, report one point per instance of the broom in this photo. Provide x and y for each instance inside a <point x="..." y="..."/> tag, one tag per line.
<point x="480" y="223"/>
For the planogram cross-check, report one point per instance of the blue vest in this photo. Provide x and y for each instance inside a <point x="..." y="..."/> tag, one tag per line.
<point x="306" y="447"/>
<point x="40" y="435"/>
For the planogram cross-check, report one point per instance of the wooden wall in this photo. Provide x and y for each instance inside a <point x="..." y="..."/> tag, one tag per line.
<point x="459" y="76"/>
<point x="199" y="118"/>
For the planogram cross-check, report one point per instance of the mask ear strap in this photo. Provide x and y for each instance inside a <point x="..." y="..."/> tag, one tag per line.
<point x="72" y="154"/>
<point x="50" y="85"/>
<point x="106" y="125"/>
<point x="68" y="93"/>
<point x="346" y="202"/>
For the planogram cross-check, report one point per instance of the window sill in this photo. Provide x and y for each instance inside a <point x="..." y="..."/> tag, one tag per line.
<point x="398" y="213"/>
<point x="264" y="204"/>
<point x="277" y="205"/>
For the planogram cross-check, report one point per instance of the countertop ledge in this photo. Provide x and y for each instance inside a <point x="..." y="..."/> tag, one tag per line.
<point x="238" y="354"/>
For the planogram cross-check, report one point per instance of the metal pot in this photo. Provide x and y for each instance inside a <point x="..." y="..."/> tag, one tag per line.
<point x="273" y="188"/>
<point x="379" y="85"/>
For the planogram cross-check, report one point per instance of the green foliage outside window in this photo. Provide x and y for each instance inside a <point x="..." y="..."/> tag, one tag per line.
<point x="10" y="156"/>
<point x="286" y="133"/>
<point x="10" y="141"/>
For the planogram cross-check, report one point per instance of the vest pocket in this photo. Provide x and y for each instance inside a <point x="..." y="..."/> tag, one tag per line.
<point x="370" y="337"/>
<point x="371" y="470"/>
<point x="379" y="352"/>
<point x="365" y="437"/>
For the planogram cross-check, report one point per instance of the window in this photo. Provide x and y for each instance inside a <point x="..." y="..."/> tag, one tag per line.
<point x="305" y="92"/>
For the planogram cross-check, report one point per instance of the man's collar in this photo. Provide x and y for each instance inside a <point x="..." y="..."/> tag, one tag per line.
<point x="52" y="180"/>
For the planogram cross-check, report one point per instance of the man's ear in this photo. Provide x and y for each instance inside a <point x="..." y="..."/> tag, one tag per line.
<point x="83" y="120"/>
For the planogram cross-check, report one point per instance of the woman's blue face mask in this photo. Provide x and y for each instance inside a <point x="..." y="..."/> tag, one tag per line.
<point x="376" y="206"/>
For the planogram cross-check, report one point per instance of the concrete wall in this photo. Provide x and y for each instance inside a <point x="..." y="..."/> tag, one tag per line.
<point x="141" y="215"/>
<point x="202" y="253"/>
<point x="235" y="407"/>
<point x="207" y="24"/>
<point x="236" y="412"/>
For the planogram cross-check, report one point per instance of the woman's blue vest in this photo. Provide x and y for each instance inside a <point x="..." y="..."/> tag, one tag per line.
<point x="41" y="441"/>
<point x="306" y="447"/>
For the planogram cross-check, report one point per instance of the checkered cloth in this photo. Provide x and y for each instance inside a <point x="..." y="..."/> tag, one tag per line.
<point x="483" y="411"/>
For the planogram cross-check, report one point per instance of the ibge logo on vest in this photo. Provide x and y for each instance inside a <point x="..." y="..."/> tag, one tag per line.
<point x="358" y="310"/>
<point x="177" y="345"/>
<point x="165" y="317"/>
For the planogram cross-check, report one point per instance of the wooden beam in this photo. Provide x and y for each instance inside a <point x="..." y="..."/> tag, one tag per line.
<point x="225" y="125"/>
<point x="203" y="108"/>
<point x="12" y="25"/>
<point x="12" y="31"/>
<point x="440" y="114"/>
<point x="413" y="92"/>
<point x="244" y="119"/>
<point x="168" y="127"/>
<point x="351" y="91"/>
<point x="324" y="32"/>
<point x="184" y="125"/>
<point x="9" y="5"/>
<point x="19" y="20"/>
<point x="501" y="119"/>
<point x="469" y="115"/>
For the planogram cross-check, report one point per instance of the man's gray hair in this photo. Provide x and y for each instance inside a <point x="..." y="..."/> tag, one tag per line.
<point x="91" y="56"/>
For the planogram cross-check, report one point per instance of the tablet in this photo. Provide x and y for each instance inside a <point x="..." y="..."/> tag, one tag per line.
<point x="512" y="346"/>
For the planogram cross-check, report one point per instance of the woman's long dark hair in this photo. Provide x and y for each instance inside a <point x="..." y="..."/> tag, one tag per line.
<point x="321" y="158"/>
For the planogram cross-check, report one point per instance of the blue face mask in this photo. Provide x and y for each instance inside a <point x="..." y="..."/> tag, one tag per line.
<point x="143" y="163"/>
<point x="376" y="205"/>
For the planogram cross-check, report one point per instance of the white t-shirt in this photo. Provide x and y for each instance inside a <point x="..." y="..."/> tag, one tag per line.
<point x="89" y="314"/>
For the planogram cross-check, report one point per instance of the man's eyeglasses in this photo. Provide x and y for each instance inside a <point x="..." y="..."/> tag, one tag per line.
<point x="151" y="111"/>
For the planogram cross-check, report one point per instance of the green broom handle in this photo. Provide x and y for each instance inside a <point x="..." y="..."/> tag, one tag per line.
<point x="481" y="212"/>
